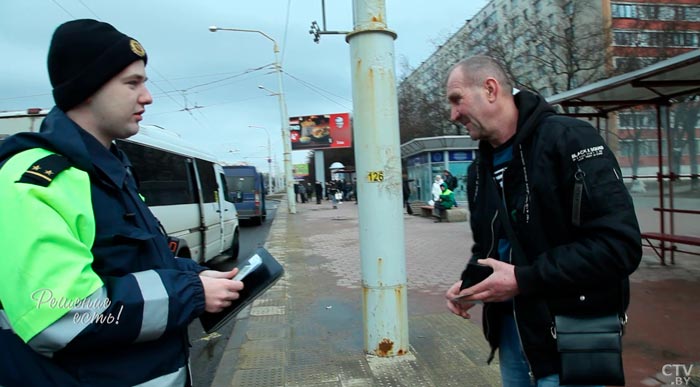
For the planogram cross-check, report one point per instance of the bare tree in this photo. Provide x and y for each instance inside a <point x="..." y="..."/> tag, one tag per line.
<point x="551" y="51"/>
<point x="423" y="109"/>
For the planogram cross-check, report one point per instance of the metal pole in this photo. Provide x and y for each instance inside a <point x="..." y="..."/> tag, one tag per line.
<point x="320" y="167"/>
<point x="286" y="141"/>
<point x="269" y="156"/>
<point x="269" y="165"/>
<point x="378" y="158"/>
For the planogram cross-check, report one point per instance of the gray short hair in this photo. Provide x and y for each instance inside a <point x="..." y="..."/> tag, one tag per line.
<point x="477" y="68"/>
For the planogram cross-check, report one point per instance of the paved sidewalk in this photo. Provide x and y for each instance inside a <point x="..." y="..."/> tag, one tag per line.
<point x="308" y="329"/>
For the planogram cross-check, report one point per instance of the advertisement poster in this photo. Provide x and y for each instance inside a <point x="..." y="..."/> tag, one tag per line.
<point x="300" y="171"/>
<point x="321" y="131"/>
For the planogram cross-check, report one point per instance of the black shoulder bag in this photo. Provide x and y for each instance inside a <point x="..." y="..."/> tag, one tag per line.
<point x="590" y="347"/>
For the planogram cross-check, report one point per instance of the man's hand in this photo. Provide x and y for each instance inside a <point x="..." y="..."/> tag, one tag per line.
<point x="219" y="274"/>
<point x="219" y="289"/>
<point x="499" y="286"/>
<point x="458" y="307"/>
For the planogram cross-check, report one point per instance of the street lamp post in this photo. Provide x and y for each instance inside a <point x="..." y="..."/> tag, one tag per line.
<point x="269" y="156"/>
<point x="291" y="197"/>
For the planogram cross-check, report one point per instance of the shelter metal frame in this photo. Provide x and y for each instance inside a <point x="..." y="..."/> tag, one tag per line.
<point x="657" y="85"/>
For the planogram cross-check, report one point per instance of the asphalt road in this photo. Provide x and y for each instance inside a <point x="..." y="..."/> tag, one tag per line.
<point x="206" y="350"/>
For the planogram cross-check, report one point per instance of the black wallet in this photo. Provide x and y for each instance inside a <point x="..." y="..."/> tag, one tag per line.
<point x="256" y="283"/>
<point x="473" y="274"/>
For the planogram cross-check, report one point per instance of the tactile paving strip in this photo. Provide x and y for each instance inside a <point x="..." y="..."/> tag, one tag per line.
<point x="266" y="332"/>
<point x="271" y="377"/>
<point x="254" y="359"/>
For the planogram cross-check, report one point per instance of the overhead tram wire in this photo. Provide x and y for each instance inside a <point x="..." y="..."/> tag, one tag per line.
<point x="155" y="84"/>
<point x="64" y="10"/>
<point x="89" y="10"/>
<point x="152" y="67"/>
<point x="320" y="91"/>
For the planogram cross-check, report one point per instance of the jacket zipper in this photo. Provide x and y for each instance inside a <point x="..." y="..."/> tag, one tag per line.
<point x="493" y="234"/>
<point x="515" y="316"/>
<point x="517" y="329"/>
<point x="580" y="188"/>
<point x="486" y="306"/>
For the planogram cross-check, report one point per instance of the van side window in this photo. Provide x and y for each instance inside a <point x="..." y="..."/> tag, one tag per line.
<point x="163" y="176"/>
<point x="207" y="177"/>
<point x="225" y="184"/>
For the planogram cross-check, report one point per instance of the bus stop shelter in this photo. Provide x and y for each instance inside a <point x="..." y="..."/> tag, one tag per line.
<point x="659" y="85"/>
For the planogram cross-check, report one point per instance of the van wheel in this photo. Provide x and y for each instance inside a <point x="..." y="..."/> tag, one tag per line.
<point x="258" y="220"/>
<point x="264" y="216"/>
<point x="235" y="245"/>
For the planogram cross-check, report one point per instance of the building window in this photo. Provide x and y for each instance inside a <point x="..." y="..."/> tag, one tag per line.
<point x="637" y="120"/>
<point x="656" y="39"/>
<point x="628" y="11"/>
<point x="648" y="12"/>
<point x="692" y="13"/>
<point x="540" y="49"/>
<point x="632" y="63"/>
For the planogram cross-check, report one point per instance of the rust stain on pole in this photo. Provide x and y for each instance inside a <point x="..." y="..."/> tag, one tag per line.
<point x="385" y="348"/>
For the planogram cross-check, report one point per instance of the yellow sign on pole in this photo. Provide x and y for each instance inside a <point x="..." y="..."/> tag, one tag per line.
<point x="375" y="176"/>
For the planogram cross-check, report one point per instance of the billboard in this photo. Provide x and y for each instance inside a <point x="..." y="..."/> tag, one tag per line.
<point x="300" y="171"/>
<point x="325" y="131"/>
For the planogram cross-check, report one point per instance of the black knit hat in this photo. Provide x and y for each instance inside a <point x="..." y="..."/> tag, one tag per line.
<point x="84" y="55"/>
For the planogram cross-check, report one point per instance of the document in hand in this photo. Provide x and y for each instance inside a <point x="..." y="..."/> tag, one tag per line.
<point x="263" y="271"/>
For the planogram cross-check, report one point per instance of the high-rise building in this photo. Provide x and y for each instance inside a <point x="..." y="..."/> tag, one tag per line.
<point x="551" y="46"/>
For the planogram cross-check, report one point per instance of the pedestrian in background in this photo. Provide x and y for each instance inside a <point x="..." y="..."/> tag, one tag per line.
<point x="435" y="190"/>
<point x="302" y="191"/>
<point x="568" y="206"/>
<point x="450" y="180"/>
<point x="78" y="240"/>
<point x="445" y="201"/>
<point x="407" y="194"/>
<point x="319" y="192"/>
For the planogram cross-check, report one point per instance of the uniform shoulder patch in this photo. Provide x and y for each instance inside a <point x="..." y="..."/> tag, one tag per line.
<point x="43" y="171"/>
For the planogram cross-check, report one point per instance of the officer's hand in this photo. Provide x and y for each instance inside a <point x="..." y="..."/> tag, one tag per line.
<point x="458" y="307"/>
<point x="499" y="286"/>
<point x="220" y="292"/>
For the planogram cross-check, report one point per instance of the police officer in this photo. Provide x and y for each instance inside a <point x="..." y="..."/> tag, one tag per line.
<point x="90" y="292"/>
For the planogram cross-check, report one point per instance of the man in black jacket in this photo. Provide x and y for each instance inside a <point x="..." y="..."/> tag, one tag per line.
<point x="569" y="209"/>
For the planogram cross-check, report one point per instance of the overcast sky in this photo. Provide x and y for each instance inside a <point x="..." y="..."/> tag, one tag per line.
<point x="205" y="84"/>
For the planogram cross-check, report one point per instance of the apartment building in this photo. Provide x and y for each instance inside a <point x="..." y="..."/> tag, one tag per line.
<point x="551" y="46"/>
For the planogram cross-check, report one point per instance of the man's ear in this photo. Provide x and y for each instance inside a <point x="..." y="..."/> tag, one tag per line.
<point x="492" y="88"/>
